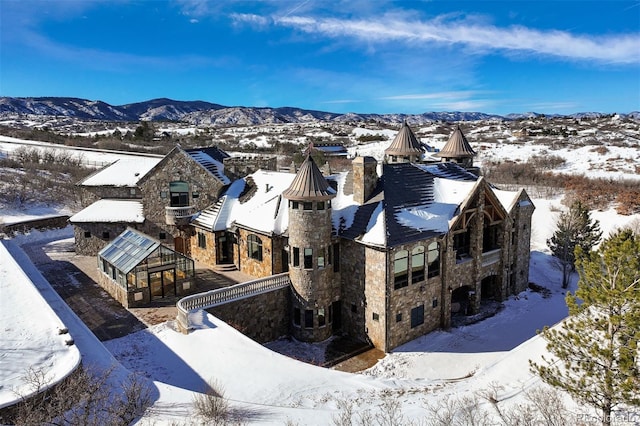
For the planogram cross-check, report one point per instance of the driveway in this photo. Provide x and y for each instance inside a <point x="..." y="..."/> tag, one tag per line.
<point x="74" y="278"/>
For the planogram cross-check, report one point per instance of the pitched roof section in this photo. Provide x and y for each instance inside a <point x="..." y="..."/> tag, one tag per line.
<point x="309" y="184"/>
<point x="457" y="146"/>
<point x="415" y="202"/>
<point x="128" y="249"/>
<point x="111" y="211"/>
<point x="405" y="143"/>
<point x="123" y="172"/>
<point x="211" y="159"/>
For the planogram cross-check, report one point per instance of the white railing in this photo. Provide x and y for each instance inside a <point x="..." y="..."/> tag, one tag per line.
<point x="224" y="295"/>
<point x="491" y="257"/>
<point x="178" y="215"/>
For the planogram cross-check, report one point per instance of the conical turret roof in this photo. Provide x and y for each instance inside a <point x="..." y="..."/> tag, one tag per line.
<point x="457" y="146"/>
<point x="309" y="184"/>
<point x="405" y="143"/>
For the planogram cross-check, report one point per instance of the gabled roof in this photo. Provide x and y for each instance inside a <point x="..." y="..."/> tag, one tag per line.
<point x="405" y="143"/>
<point x="111" y="211"/>
<point x="123" y="172"/>
<point x="204" y="157"/>
<point x="457" y="146"/>
<point x="309" y="184"/>
<point x="128" y="249"/>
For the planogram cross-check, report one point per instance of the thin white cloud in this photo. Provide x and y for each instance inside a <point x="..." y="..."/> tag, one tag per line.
<point x="623" y="49"/>
<point x="251" y="19"/>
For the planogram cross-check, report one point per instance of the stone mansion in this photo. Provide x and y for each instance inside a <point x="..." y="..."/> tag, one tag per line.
<point x="383" y="252"/>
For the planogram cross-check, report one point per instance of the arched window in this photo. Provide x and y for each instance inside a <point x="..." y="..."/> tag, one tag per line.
<point x="254" y="246"/>
<point x="401" y="269"/>
<point x="433" y="260"/>
<point x="417" y="264"/>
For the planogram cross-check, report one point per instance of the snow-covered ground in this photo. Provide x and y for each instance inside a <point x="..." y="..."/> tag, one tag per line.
<point x="271" y="388"/>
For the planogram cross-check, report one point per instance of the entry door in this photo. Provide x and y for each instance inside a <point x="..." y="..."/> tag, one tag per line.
<point x="155" y="284"/>
<point x="225" y="249"/>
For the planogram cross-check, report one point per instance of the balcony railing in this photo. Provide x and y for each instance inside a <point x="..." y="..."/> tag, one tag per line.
<point x="228" y="294"/>
<point x="178" y="215"/>
<point x="491" y="257"/>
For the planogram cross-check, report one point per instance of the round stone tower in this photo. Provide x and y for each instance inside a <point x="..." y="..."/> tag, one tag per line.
<point x="311" y="253"/>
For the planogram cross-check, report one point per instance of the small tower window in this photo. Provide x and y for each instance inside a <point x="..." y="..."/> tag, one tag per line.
<point x="296" y="256"/>
<point x="307" y="205"/>
<point x="308" y="258"/>
<point x="320" y="205"/>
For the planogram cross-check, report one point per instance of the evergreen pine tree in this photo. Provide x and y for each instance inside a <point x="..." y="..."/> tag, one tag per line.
<point x="597" y="346"/>
<point x="575" y="228"/>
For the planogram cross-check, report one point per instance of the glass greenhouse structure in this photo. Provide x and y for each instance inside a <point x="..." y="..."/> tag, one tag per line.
<point x="144" y="268"/>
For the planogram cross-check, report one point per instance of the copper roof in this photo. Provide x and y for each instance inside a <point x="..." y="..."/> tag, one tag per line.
<point x="405" y="143"/>
<point x="309" y="184"/>
<point x="457" y="146"/>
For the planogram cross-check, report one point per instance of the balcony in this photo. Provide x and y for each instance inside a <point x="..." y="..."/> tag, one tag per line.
<point x="178" y="216"/>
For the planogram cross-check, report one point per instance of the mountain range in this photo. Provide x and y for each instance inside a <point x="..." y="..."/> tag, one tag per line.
<point x="206" y="113"/>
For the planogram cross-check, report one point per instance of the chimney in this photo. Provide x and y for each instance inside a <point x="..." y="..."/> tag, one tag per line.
<point x="365" y="178"/>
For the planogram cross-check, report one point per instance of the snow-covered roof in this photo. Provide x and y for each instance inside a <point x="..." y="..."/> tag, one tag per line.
<point x="107" y="211"/>
<point x="412" y="202"/>
<point x="211" y="159"/>
<point x="254" y="202"/>
<point x="122" y="172"/>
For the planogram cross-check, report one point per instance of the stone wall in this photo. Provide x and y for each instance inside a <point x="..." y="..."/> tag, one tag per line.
<point x="91" y="194"/>
<point x="353" y="276"/>
<point x="239" y="167"/>
<point x="176" y="166"/>
<point x="254" y="267"/>
<point x="56" y="222"/>
<point x="263" y="318"/>
<point x="89" y="236"/>
<point x="375" y="293"/>
<point x="208" y="254"/>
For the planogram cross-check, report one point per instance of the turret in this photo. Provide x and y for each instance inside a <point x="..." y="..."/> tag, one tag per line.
<point x="457" y="150"/>
<point x="405" y="147"/>
<point x="310" y="253"/>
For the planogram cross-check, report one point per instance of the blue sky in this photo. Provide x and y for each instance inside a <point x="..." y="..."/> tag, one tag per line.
<point x="342" y="56"/>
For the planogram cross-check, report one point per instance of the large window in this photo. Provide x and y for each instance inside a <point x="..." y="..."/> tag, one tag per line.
<point x="417" y="264"/>
<point x="254" y="245"/>
<point x="462" y="244"/>
<point x="433" y="260"/>
<point x="179" y="192"/>
<point x="417" y="316"/>
<point x="401" y="269"/>
<point x="490" y="238"/>
<point x="308" y="318"/>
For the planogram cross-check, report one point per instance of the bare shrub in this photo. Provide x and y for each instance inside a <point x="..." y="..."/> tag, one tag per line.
<point x="84" y="398"/>
<point x="211" y="405"/>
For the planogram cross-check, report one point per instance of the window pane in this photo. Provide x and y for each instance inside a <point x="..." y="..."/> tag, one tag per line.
<point x="417" y="316"/>
<point x="296" y="316"/>
<point x="321" y="317"/>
